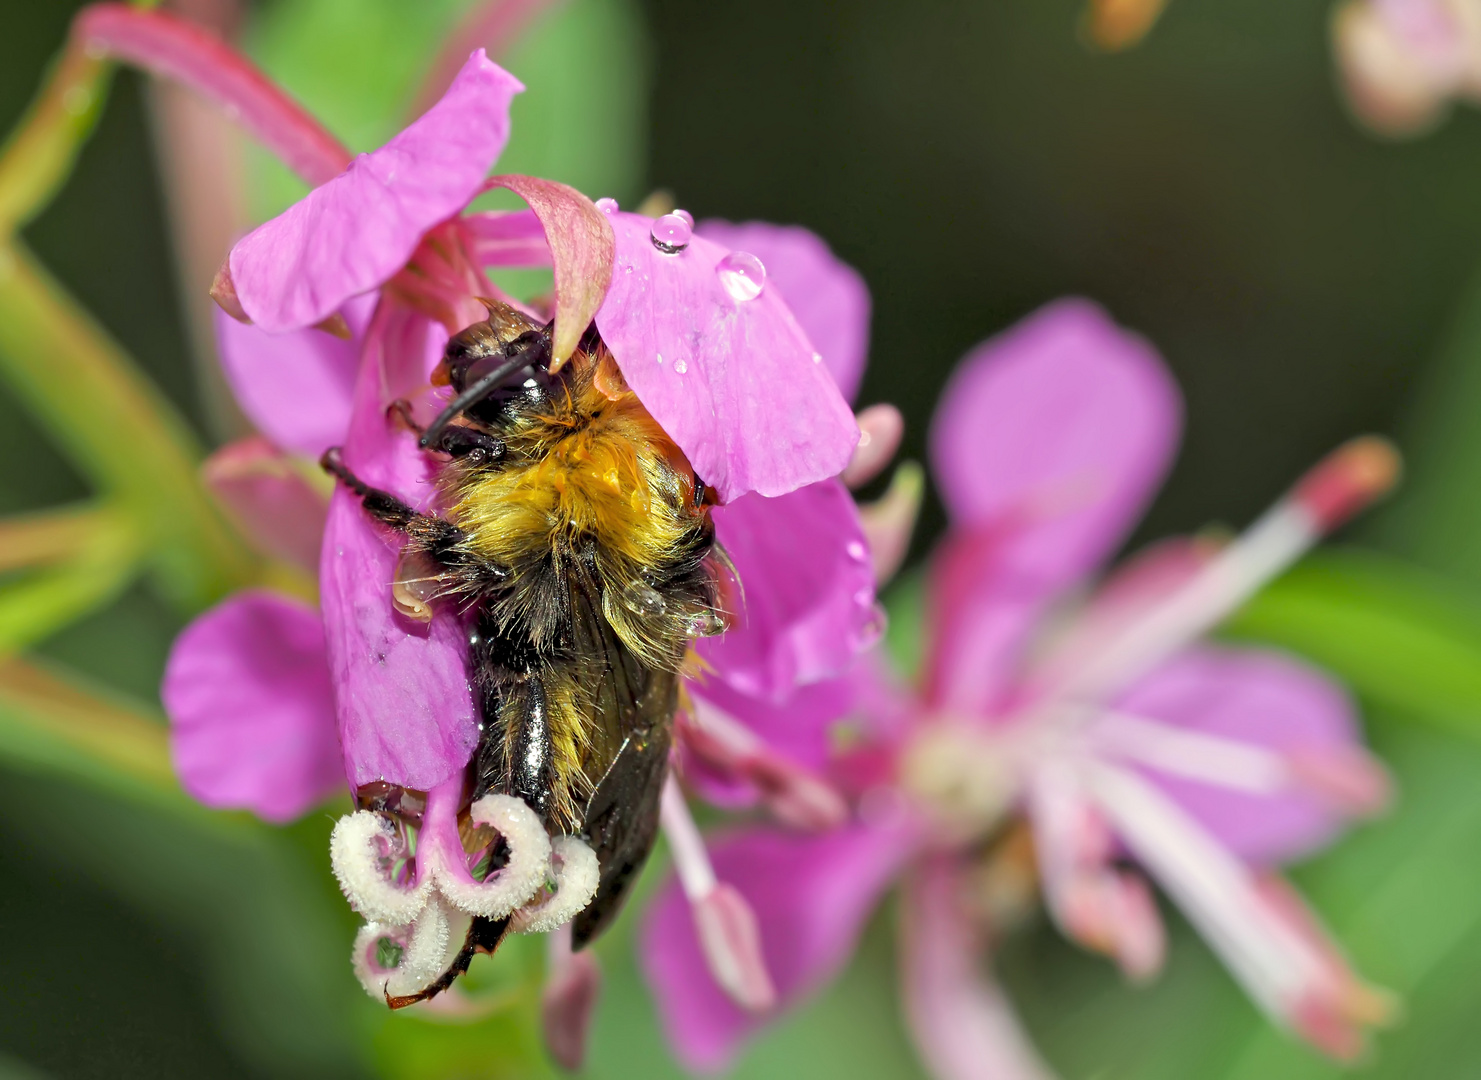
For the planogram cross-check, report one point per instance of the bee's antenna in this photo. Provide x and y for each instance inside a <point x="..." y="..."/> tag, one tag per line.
<point x="485" y="386"/>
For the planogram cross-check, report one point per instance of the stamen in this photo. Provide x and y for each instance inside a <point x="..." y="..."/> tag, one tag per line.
<point x="723" y="921"/>
<point x="1348" y="479"/>
<point x="794" y="795"/>
<point x="572" y="982"/>
<point x="576" y="876"/>
<point x="1348" y="778"/>
<point x="1286" y="964"/>
<point x="374" y="862"/>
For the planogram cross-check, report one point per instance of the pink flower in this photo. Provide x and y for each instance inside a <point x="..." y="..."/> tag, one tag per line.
<point x="383" y="256"/>
<point x="1071" y="756"/>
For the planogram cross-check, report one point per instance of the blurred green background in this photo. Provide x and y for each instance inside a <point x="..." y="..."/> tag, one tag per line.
<point x="973" y="159"/>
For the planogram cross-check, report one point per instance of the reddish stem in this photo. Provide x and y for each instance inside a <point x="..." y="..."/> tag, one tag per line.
<point x="173" y="48"/>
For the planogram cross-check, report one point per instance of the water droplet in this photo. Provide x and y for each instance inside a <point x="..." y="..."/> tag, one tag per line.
<point x="671" y="233"/>
<point x="660" y="357"/>
<point x="817" y="358"/>
<point x="607" y="206"/>
<point x="627" y="268"/>
<point x="686" y="215"/>
<point x="864" y="596"/>
<point x="706" y="624"/>
<point x="742" y="275"/>
<point x="858" y="551"/>
<point x="645" y="600"/>
<point x="680" y="366"/>
<point x="872" y="629"/>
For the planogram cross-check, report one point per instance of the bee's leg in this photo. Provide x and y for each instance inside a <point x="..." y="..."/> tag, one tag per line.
<point x="438" y="538"/>
<point x="456" y="441"/>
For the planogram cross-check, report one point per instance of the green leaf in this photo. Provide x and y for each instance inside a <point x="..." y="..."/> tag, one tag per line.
<point x="1399" y="636"/>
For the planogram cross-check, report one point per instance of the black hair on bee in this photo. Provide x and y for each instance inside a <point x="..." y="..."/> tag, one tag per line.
<point x="577" y="539"/>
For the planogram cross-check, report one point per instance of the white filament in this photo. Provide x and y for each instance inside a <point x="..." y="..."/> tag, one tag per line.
<point x="686" y="846"/>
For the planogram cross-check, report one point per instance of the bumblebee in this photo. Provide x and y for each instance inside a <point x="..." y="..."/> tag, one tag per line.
<point x="577" y="542"/>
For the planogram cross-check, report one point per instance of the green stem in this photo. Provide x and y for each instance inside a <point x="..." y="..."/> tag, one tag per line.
<point x="40" y="152"/>
<point x="48" y="537"/>
<point x="105" y="558"/>
<point x="46" y="721"/>
<point x="115" y="427"/>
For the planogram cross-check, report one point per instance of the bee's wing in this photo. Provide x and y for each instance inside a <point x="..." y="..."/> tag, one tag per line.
<point x="632" y="726"/>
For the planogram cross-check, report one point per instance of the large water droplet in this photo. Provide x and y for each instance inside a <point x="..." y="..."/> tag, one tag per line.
<point x="742" y="275"/>
<point x="671" y="233"/>
<point x="706" y="624"/>
<point x="607" y="206"/>
<point x="680" y="366"/>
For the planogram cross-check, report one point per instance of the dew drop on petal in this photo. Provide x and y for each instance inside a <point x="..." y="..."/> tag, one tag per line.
<point x="659" y="356"/>
<point x="868" y="635"/>
<point x="671" y="233"/>
<point x="817" y="358"/>
<point x="742" y="275"/>
<point x="680" y="366"/>
<point x="857" y="551"/>
<point x="607" y="205"/>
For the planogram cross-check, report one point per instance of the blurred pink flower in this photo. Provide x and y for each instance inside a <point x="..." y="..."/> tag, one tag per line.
<point x="1121" y="743"/>
<point x="1404" y="61"/>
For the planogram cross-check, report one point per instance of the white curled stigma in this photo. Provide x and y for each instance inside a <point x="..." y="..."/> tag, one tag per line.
<point x="365" y="851"/>
<point x="419" y="890"/>
<point x="401" y="960"/>
<point x="514" y="883"/>
<point x="573" y="883"/>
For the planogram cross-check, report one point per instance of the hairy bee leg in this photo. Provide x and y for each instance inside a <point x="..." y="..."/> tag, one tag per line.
<point x="458" y="442"/>
<point x="440" y="539"/>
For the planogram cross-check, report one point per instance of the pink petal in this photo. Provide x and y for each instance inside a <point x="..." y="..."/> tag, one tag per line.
<point x="1064" y="424"/>
<point x="1049" y="441"/>
<point x="295" y="387"/>
<point x="176" y="49"/>
<point x="251" y="717"/>
<point x="811" y="896"/>
<point x="581" y="251"/>
<point x="732" y="381"/>
<point x="808" y="605"/>
<point x="963" y="1025"/>
<point x="1269" y="702"/>
<point x="828" y="297"/>
<point x="405" y="708"/>
<point x="355" y="232"/>
<point x="507" y="238"/>
<point x="269" y="500"/>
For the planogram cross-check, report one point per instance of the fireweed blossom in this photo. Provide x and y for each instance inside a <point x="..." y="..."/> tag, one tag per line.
<point x="340" y="308"/>
<point x="1056" y="745"/>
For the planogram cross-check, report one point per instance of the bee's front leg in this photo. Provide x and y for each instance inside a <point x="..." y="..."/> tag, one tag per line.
<point x="455" y="441"/>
